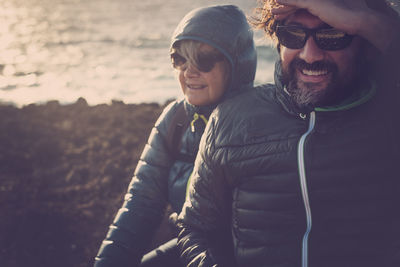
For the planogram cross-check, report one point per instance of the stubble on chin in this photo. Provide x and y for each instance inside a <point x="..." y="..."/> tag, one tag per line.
<point x="307" y="94"/>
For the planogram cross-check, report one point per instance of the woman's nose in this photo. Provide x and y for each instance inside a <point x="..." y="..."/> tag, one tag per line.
<point x="191" y="71"/>
<point x="311" y="52"/>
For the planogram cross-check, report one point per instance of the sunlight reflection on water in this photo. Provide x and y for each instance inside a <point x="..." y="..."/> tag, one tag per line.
<point x="96" y="49"/>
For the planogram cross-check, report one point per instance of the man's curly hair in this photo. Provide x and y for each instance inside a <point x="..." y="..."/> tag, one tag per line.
<point x="263" y="18"/>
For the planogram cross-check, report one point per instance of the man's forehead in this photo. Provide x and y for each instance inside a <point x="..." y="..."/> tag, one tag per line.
<point x="304" y="18"/>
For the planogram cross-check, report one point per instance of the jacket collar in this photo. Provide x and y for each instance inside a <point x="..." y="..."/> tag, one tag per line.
<point x="203" y="110"/>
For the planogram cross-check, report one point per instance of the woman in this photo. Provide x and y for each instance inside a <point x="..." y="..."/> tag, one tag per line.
<point x="213" y="51"/>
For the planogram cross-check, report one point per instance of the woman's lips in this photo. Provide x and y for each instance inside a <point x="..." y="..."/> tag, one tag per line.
<point x="196" y="86"/>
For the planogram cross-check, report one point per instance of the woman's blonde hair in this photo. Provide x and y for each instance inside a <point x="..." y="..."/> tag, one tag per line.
<point x="189" y="49"/>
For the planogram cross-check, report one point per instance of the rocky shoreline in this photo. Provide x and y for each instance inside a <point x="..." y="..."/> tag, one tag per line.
<point x="63" y="172"/>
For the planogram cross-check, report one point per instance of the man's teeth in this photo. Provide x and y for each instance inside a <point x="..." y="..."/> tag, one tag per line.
<point x="314" y="72"/>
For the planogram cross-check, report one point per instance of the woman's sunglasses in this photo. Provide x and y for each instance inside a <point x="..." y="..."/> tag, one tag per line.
<point x="295" y="37"/>
<point x="204" y="62"/>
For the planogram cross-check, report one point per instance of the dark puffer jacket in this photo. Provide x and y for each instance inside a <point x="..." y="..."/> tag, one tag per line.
<point x="160" y="179"/>
<point x="316" y="189"/>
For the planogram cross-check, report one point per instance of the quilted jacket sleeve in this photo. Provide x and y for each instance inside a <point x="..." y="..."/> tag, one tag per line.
<point x="389" y="72"/>
<point x="205" y="238"/>
<point x="389" y="65"/>
<point x="393" y="57"/>
<point x="144" y="204"/>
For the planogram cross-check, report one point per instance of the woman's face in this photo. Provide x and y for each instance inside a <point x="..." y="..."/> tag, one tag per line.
<point x="204" y="88"/>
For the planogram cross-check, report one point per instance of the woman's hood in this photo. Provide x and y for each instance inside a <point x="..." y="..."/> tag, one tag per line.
<point x="226" y="29"/>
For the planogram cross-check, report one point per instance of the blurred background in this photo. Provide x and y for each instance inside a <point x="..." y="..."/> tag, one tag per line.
<point x="97" y="49"/>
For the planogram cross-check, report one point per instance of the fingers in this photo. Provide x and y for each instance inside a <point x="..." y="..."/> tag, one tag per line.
<point x="297" y="3"/>
<point x="283" y="11"/>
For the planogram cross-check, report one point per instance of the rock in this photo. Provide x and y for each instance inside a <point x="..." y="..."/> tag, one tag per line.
<point x="64" y="171"/>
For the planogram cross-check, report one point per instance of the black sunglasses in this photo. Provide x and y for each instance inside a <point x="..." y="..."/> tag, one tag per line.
<point x="205" y="62"/>
<point x="295" y="37"/>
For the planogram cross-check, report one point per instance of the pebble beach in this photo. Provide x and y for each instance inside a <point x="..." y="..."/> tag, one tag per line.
<point x="64" y="170"/>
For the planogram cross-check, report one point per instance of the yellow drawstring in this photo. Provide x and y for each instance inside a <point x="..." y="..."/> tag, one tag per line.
<point x="197" y="116"/>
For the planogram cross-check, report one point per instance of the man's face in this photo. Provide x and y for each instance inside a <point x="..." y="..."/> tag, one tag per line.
<point x="319" y="77"/>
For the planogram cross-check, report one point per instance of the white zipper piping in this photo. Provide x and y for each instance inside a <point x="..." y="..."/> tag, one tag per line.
<point x="304" y="190"/>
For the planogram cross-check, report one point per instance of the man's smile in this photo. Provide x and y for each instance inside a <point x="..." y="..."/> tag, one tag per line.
<point x="313" y="76"/>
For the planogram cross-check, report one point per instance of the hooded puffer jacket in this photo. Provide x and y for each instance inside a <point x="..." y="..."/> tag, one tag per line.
<point x="159" y="178"/>
<point x="296" y="187"/>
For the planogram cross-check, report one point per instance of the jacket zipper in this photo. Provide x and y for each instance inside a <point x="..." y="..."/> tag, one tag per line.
<point x="304" y="190"/>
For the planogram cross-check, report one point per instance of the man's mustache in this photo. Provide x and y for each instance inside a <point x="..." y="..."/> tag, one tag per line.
<point x="322" y="65"/>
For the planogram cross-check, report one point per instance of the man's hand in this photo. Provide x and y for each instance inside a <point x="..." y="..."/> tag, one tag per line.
<point x="351" y="16"/>
<point x="345" y="15"/>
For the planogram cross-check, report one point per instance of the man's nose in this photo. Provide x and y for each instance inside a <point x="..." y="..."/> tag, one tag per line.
<point x="311" y="52"/>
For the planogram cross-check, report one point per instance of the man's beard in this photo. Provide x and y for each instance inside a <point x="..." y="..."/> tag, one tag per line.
<point x="309" y="94"/>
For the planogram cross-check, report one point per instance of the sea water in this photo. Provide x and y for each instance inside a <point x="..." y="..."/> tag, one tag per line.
<point x="101" y="50"/>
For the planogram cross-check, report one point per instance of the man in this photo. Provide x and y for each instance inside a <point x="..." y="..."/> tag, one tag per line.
<point x="306" y="172"/>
